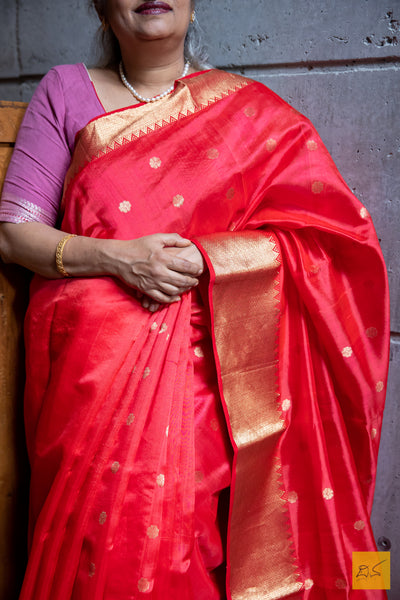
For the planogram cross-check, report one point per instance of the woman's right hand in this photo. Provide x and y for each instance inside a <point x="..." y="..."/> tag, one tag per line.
<point x="143" y="263"/>
<point x="146" y="265"/>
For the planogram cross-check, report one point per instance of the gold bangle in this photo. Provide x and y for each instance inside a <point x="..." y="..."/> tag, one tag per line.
<point x="59" y="254"/>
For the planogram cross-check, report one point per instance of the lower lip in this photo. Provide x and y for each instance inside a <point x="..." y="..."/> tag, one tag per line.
<point x="153" y="11"/>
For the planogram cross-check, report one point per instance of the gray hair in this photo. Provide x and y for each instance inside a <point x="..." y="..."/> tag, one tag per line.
<point x="195" y="51"/>
<point x="110" y="53"/>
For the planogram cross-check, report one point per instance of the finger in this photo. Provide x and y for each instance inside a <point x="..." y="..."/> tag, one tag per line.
<point x="174" y="239"/>
<point x="163" y="276"/>
<point x="161" y="298"/>
<point x="181" y="265"/>
<point x="154" y="306"/>
<point x="146" y="302"/>
<point x="177" y="290"/>
<point x="174" y="286"/>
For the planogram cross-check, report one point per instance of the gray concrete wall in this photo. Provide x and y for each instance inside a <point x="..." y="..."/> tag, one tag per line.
<point x="337" y="62"/>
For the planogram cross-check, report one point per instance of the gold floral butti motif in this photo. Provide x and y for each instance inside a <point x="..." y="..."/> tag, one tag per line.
<point x="160" y="480"/>
<point x="317" y="187"/>
<point x="115" y="467"/>
<point x="328" y="493"/>
<point x="112" y="130"/>
<point x="347" y="352"/>
<point x="247" y="266"/>
<point x="271" y="144"/>
<point x="199" y="352"/>
<point x="155" y="162"/>
<point x="125" y="206"/>
<point x="292" y="497"/>
<point x="143" y="585"/>
<point x="372" y="332"/>
<point x="130" y="419"/>
<point x="312" y="145"/>
<point x="153" y="532"/>
<point x="178" y="200"/>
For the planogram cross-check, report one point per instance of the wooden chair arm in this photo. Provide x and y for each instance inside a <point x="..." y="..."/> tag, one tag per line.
<point x="14" y="470"/>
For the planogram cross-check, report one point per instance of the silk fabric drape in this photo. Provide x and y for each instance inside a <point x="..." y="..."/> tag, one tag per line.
<point x="298" y="302"/>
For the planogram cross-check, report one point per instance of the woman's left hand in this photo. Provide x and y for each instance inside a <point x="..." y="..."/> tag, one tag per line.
<point x="190" y="253"/>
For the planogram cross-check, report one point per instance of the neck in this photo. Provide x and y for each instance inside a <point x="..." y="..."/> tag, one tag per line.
<point x="150" y="74"/>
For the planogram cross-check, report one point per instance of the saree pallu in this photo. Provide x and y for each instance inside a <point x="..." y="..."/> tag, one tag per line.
<point x="296" y="294"/>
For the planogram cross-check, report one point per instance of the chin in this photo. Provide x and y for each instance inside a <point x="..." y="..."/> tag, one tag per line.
<point x="155" y="30"/>
<point x="154" y="35"/>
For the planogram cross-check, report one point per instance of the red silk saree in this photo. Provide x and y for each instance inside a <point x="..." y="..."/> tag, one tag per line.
<point x="128" y="449"/>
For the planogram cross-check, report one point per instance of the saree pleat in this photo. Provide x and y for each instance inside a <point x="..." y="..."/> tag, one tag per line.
<point x="98" y="439"/>
<point x="127" y="435"/>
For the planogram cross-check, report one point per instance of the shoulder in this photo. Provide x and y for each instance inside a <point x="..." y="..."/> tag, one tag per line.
<point x="63" y="77"/>
<point x="51" y="95"/>
<point x="263" y="102"/>
<point x="256" y="110"/>
<point x="57" y="85"/>
<point x="64" y="89"/>
<point x="255" y="92"/>
<point x="63" y="102"/>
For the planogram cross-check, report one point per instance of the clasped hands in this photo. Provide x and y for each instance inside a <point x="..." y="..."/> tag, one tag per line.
<point x="161" y="267"/>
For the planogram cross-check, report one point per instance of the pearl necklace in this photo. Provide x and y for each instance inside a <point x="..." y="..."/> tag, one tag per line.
<point x="154" y="98"/>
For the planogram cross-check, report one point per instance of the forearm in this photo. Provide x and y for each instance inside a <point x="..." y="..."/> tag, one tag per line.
<point x="142" y="263"/>
<point x="33" y="245"/>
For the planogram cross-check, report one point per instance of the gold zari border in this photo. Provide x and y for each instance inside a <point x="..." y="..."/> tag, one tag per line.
<point x="245" y="307"/>
<point x="113" y="130"/>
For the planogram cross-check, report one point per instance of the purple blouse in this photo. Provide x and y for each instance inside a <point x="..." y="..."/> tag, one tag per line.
<point x="64" y="102"/>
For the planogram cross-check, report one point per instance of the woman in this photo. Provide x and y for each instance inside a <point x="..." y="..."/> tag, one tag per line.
<point x="148" y="394"/>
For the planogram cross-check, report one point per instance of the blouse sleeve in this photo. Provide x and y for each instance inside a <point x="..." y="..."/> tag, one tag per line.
<point x="34" y="181"/>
